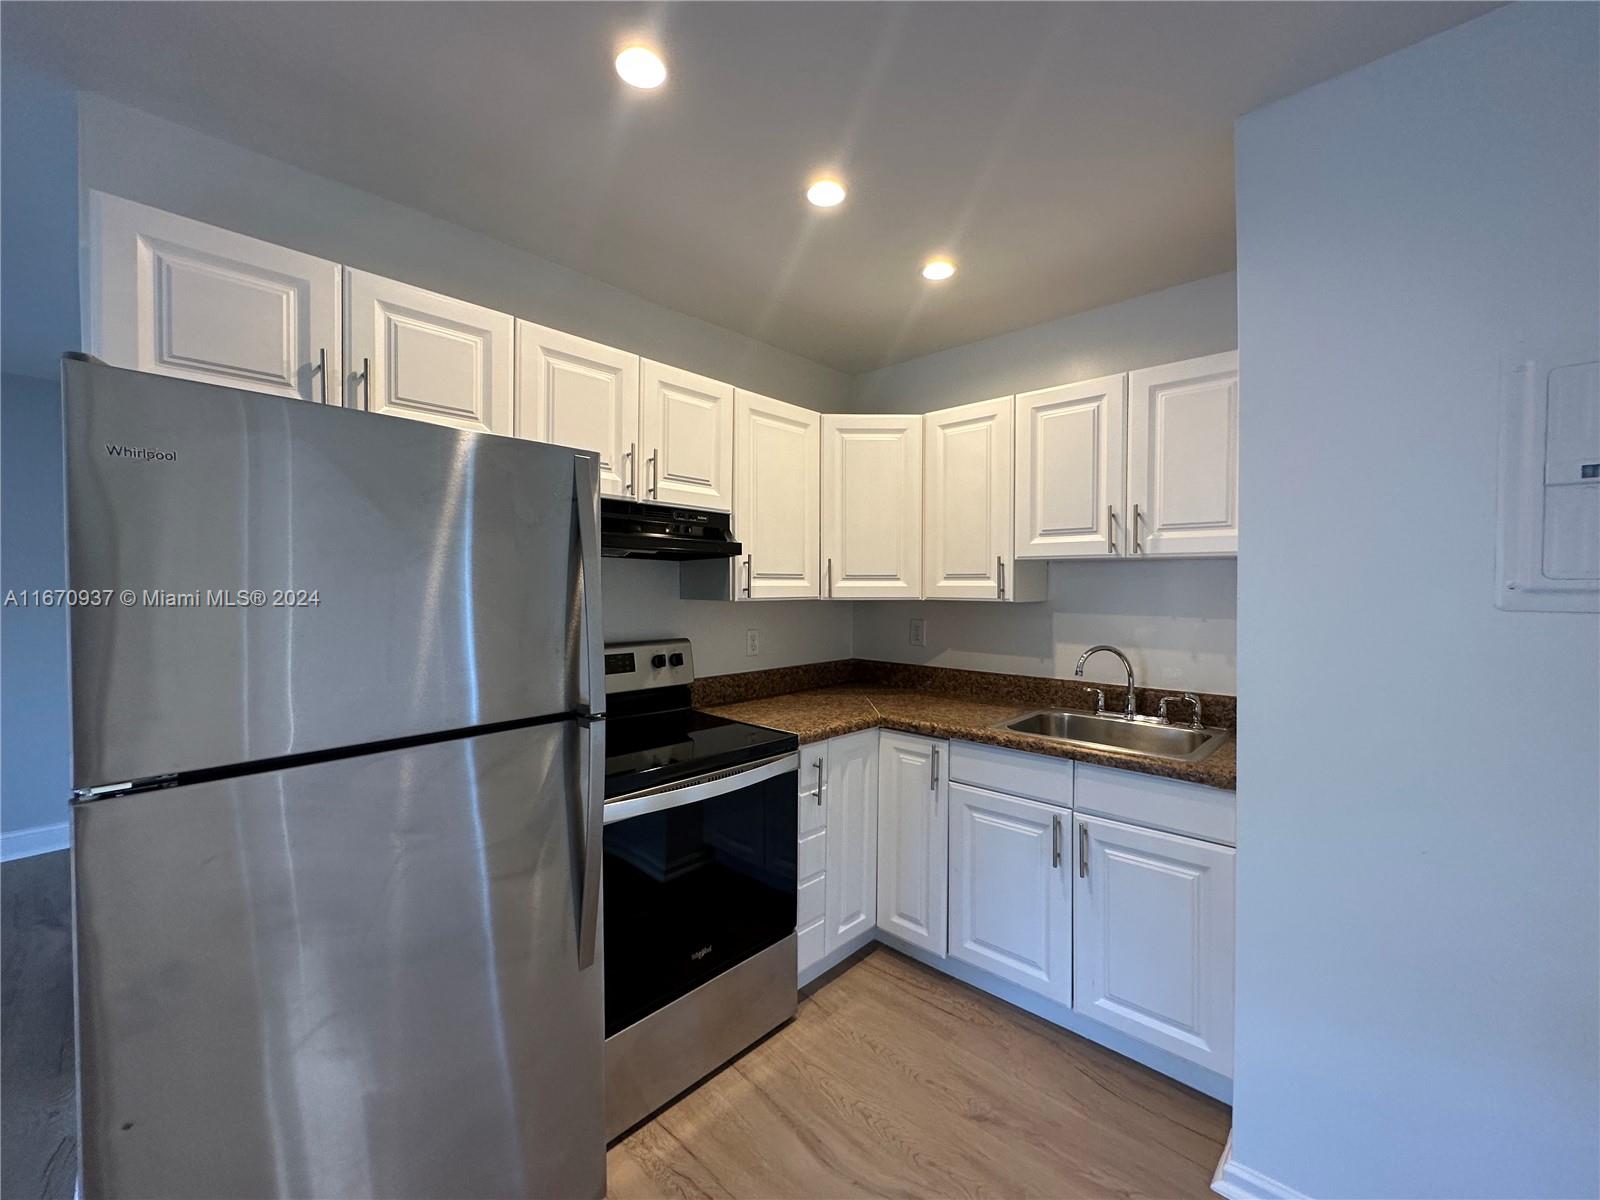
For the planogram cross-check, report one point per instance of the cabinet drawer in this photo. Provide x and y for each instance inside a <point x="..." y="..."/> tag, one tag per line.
<point x="811" y="901"/>
<point x="812" y="942"/>
<point x="813" y="855"/>
<point x="813" y="815"/>
<point x="1169" y="804"/>
<point x="1034" y="776"/>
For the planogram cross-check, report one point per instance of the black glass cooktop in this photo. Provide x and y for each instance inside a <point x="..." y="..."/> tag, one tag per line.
<point x="651" y="749"/>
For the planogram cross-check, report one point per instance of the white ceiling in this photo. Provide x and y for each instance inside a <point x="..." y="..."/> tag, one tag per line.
<point x="1068" y="155"/>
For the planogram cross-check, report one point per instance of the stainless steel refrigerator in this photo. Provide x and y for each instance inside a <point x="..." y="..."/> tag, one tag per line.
<point x="338" y="769"/>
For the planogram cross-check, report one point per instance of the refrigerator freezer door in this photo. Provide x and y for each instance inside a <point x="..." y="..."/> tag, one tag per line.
<point x="407" y="578"/>
<point x="367" y="983"/>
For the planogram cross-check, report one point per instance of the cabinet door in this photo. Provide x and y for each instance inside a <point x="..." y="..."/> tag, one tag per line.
<point x="913" y="845"/>
<point x="871" y="507"/>
<point x="1153" y="944"/>
<point x="776" y="465"/>
<point x="685" y="438"/>
<point x="1069" y="469"/>
<point x="966" y="537"/>
<point x="417" y="354"/>
<point x="575" y="392"/>
<point x="177" y="297"/>
<point x="852" y="804"/>
<point x="811" y="924"/>
<point x="1183" y="457"/>
<point x="1011" y="889"/>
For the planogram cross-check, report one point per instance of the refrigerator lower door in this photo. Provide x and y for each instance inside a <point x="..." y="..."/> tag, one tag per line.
<point x="280" y="578"/>
<point x="353" y="978"/>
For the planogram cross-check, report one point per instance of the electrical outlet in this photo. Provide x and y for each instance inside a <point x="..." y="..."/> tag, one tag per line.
<point x="919" y="631"/>
<point x="752" y="642"/>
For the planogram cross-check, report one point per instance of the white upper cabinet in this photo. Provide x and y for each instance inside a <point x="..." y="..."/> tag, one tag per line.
<point x="575" y="392"/>
<point x="871" y="507"/>
<point x="1070" y="476"/>
<point x="776" y="463"/>
<point x="851" y="798"/>
<point x="181" y="298"/>
<point x="913" y="840"/>
<point x="417" y="354"/>
<point x="685" y="438"/>
<point x="966" y="507"/>
<point x="1153" y="938"/>
<point x="1183" y="457"/>
<point x="1011" y="889"/>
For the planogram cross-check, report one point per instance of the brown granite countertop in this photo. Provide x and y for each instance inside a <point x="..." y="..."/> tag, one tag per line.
<point x="826" y="712"/>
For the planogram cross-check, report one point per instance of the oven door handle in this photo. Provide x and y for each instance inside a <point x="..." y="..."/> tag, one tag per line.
<point x="700" y="787"/>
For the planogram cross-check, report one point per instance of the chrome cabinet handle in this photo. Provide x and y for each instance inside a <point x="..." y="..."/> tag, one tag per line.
<point x="822" y="783"/>
<point x="1111" y="529"/>
<point x="749" y="574"/>
<point x="632" y="472"/>
<point x="366" y="383"/>
<point x="322" y="370"/>
<point x="828" y="592"/>
<point x="1137" y="548"/>
<point x="1083" y="851"/>
<point x="654" y="474"/>
<point x="1000" y="576"/>
<point x="933" y="772"/>
<point x="1055" y="840"/>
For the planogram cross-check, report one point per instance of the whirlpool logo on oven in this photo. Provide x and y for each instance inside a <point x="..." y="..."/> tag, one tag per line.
<point x="700" y="953"/>
<point x="141" y="453"/>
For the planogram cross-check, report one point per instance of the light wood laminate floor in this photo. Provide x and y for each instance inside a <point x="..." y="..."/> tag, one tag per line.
<point x="894" y="1080"/>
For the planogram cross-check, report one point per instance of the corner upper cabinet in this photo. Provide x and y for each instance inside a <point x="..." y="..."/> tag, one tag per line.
<point x="414" y="353"/>
<point x="1183" y="457"/>
<point x="1070" y="469"/>
<point x="967" y="540"/>
<point x="181" y="298"/>
<point x="776" y="463"/>
<point x="685" y="438"/>
<point x="871" y="507"/>
<point x="575" y="392"/>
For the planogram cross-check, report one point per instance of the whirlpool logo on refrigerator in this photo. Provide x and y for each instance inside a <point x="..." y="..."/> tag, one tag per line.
<point x="142" y="453"/>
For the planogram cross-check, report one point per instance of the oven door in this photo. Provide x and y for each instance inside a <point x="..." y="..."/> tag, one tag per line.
<point x="698" y="877"/>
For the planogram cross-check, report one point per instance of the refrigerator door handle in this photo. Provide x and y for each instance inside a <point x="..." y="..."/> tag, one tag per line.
<point x="586" y="495"/>
<point x="592" y="788"/>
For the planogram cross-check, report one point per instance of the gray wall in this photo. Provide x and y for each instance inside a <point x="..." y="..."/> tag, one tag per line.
<point x="1182" y="322"/>
<point x="144" y="158"/>
<point x="1175" y="619"/>
<point x="39" y="299"/>
<point x="1418" y="980"/>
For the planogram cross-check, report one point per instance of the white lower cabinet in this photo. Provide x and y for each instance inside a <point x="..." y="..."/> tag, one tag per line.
<point x="913" y="840"/>
<point x="1011" y="889"/>
<point x="1153" y="938"/>
<point x="852" y="807"/>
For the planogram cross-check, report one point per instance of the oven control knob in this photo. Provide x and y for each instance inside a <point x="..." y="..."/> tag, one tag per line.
<point x="658" y="661"/>
<point x="676" y="659"/>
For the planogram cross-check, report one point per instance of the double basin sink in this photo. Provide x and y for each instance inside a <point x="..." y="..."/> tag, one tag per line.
<point x="1140" y="735"/>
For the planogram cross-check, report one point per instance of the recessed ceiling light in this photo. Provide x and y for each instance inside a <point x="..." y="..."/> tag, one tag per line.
<point x="641" y="67"/>
<point x="938" y="268"/>
<point x="825" y="193"/>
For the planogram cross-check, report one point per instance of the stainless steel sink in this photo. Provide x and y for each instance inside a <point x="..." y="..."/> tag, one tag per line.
<point x="1141" y="735"/>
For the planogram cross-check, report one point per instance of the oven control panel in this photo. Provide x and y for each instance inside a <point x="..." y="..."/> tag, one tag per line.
<point x="633" y="666"/>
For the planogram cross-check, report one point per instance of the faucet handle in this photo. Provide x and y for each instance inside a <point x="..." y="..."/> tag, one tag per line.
<point x="1161" y="709"/>
<point x="1099" y="701"/>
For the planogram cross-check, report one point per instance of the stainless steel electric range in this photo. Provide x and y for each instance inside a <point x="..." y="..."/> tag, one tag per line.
<point x="700" y="870"/>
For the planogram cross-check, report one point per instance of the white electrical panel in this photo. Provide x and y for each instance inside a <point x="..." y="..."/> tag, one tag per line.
<point x="1549" y="552"/>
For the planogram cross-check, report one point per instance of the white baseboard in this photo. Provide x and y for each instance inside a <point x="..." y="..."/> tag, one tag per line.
<point x="39" y="839"/>
<point x="1238" y="1182"/>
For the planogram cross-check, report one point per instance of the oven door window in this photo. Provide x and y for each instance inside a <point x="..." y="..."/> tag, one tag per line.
<point x="693" y="890"/>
